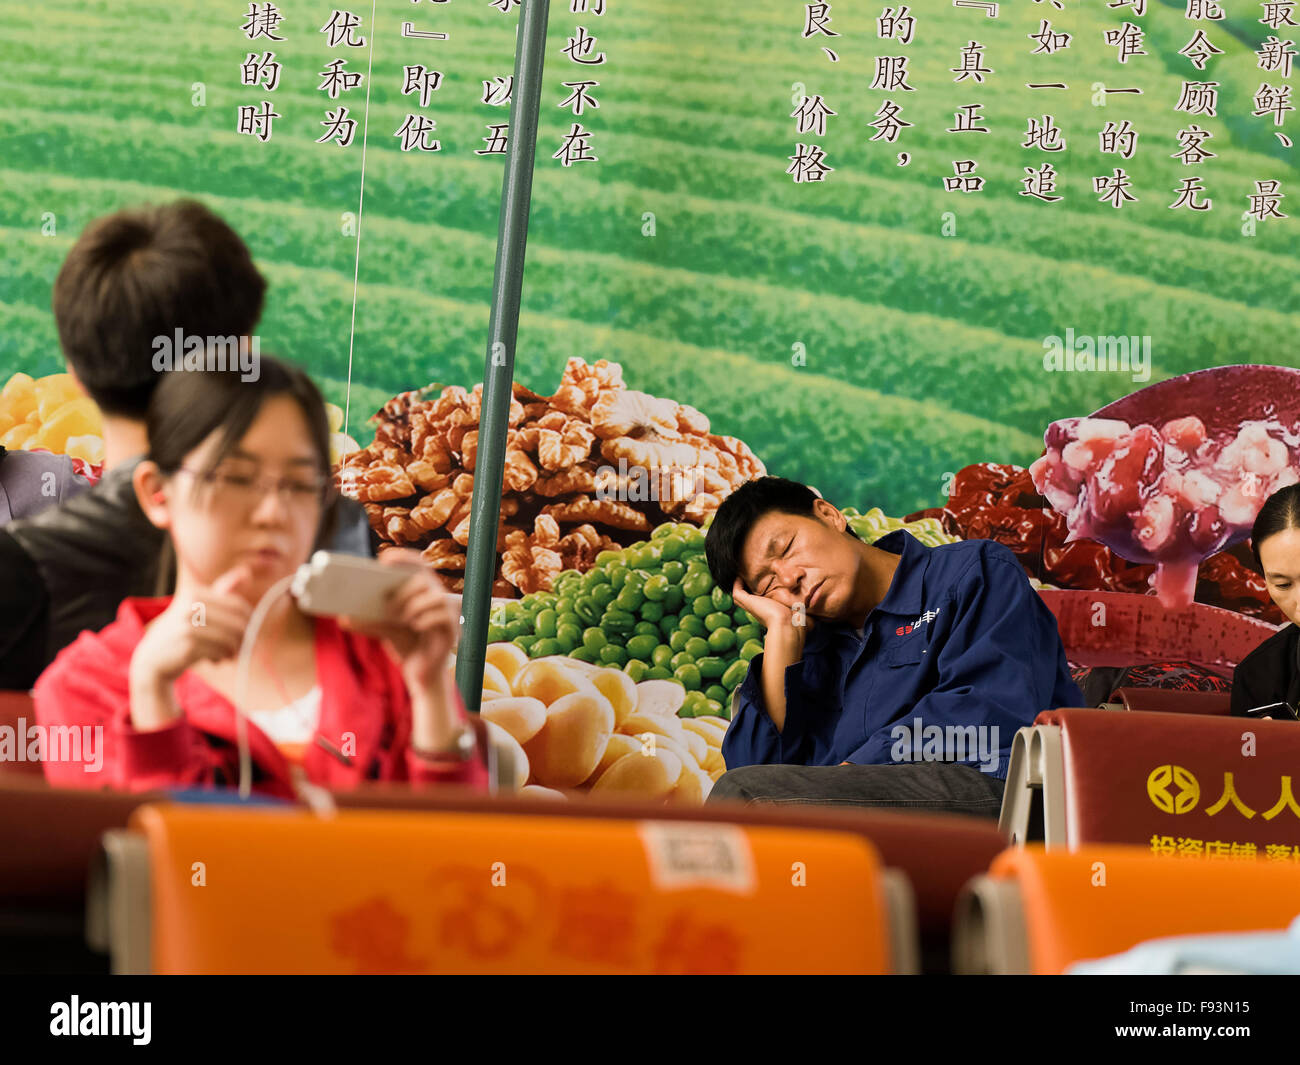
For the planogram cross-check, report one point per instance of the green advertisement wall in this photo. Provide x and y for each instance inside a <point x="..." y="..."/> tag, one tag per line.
<point x="870" y="309"/>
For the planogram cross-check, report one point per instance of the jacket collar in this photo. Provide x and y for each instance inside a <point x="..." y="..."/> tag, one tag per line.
<point x="350" y="718"/>
<point x="906" y="594"/>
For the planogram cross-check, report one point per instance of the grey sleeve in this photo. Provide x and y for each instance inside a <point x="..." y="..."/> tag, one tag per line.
<point x="30" y="481"/>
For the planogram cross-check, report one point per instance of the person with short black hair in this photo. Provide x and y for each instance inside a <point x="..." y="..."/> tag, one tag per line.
<point x="131" y="277"/>
<point x="892" y="674"/>
<point x="1270" y="674"/>
<point x="139" y="274"/>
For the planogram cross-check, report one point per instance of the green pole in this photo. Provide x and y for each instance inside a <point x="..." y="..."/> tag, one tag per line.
<point x="499" y="366"/>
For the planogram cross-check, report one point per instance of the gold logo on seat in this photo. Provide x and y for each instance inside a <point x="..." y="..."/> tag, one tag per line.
<point x="1183" y="799"/>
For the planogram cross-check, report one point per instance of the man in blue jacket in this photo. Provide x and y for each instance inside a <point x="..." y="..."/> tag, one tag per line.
<point x="892" y="674"/>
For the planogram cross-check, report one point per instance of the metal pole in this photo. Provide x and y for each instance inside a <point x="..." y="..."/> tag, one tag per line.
<point x="499" y="367"/>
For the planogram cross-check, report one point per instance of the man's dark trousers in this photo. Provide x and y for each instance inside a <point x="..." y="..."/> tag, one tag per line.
<point x="939" y="787"/>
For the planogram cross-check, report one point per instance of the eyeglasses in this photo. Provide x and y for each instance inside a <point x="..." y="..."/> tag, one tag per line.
<point x="241" y="489"/>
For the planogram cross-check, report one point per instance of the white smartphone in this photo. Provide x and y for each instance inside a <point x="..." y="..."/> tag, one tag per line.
<point x="337" y="584"/>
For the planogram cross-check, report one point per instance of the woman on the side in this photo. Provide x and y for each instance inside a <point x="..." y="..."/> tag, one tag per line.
<point x="1271" y="673"/>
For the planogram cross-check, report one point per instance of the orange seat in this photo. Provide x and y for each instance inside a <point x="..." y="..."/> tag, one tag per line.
<point x="938" y="853"/>
<point x="216" y="890"/>
<point x="1178" y="783"/>
<point x="1039" y="911"/>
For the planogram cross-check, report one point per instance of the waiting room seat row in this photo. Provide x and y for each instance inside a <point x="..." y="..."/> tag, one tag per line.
<point x="1078" y="778"/>
<point x="383" y="891"/>
<point x="206" y="889"/>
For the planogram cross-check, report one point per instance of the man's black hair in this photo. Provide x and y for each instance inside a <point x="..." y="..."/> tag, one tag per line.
<point x="739" y="513"/>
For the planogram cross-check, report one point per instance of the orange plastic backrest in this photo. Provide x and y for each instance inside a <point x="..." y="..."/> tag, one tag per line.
<point x="1103" y="900"/>
<point x="268" y="891"/>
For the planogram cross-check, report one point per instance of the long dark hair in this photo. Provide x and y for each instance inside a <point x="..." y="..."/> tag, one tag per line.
<point x="189" y="405"/>
<point x="1281" y="511"/>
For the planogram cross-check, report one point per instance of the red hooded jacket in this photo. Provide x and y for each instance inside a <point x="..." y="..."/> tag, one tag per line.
<point x="363" y="732"/>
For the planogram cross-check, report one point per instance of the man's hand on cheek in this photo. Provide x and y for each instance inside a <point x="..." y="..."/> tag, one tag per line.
<point x="771" y="614"/>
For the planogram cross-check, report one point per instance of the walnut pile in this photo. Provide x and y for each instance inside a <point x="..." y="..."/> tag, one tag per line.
<point x="594" y="466"/>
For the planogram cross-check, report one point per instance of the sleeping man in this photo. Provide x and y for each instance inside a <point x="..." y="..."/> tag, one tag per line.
<point x="892" y="674"/>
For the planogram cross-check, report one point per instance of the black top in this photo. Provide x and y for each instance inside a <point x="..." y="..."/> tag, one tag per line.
<point x="24" y="617"/>
<point x="1269" y="674"/>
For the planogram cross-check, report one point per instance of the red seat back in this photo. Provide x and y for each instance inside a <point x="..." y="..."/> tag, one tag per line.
<point x="17" y="716"/>
<point x="1163" y="700"/>
<point x="1181" y="783"/>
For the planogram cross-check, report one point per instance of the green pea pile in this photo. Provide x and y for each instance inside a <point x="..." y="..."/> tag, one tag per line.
<point x="650" y="609"/>
<point x="875" y="523"/>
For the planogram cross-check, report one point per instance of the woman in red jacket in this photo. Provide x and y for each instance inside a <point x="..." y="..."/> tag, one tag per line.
<point x="238" y="474"/>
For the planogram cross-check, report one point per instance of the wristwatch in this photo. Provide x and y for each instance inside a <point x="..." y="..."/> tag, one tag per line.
<point x="463" y="745"/>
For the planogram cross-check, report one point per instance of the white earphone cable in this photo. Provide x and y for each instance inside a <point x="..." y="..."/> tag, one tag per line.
<point x="241" y="679"/>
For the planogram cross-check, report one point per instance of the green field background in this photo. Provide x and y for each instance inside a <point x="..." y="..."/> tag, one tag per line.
<point x="924" y="342"/>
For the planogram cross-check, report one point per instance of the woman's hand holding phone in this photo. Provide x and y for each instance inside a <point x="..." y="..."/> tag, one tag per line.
<point x="421" y="630"/>
<point x="207" y="626"/>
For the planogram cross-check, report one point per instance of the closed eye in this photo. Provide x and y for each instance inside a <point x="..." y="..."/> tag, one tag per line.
<point x="767" y="587"/>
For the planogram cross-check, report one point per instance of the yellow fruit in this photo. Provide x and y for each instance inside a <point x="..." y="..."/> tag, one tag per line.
<point x="693" y="786"/>
<point x="18" y="436"/>
<point x="698" y="747"/>
<point x="78" y="418"/>
<point x="711" y="735"/>
<point x="536" y="791"/>
<point x="87" y="448"/>
<point x="494" y="680"/>
<point x="662" y="697"/>
<point x="618" y="746"/>
<point x="523" y="718"/>
<point x="18" y="396"/>
<point x="635" y="724"/>
<point x="341" y="446"/>
<point x="6" y="422"/>
<point x="568" y="747"/>
<point x="618" y="688"/>
<point x="548" y="680"/>
<point x="652" y="776"/>
<point x="501" y="739"/>
<point x="679" y="749"/>
<point x="54" y="391"/>
<point x="508" y="658"/>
